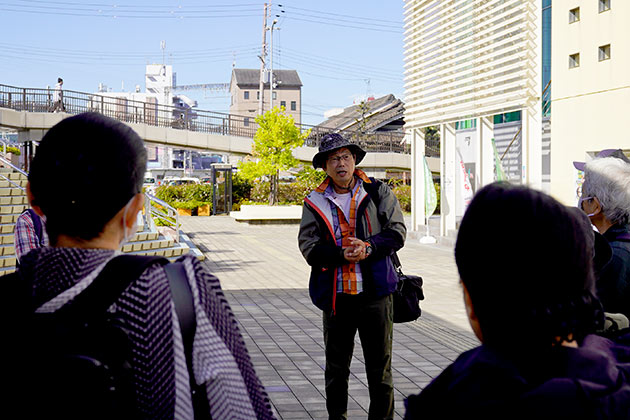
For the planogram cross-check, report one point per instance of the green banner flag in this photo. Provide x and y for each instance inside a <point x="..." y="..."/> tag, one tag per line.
<point x="430" y="194"/>
<point x="499" y="174"/>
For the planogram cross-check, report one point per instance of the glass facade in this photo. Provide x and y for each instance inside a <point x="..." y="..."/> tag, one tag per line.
<point x="507" y="117"/>
<point x="466" y="124"/>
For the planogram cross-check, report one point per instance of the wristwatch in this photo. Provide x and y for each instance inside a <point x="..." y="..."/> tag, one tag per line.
<point x="368" y="249"/>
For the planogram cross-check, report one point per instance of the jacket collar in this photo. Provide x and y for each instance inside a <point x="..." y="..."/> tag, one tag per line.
<point x="357" y="172"/>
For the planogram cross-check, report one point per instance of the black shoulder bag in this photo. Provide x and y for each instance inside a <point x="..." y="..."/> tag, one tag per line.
<point x="408" y="293"/>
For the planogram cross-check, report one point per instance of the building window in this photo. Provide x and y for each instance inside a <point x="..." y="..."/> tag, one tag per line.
<point x="604" y="52"/>
<point x="293" y="106"/>
<point x="574" y="60"/>
<point x="283" y="104"/>
<point x="258" y="95"/>
<point x="247" y="94"/>
<point x="604" y="5"/>
<point x="275" y="95"/>
<point x="246" y="122"/>
<point x="574" y="15"/>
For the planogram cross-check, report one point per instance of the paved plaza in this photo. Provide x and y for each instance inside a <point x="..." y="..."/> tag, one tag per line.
<point x="265" y="280"/>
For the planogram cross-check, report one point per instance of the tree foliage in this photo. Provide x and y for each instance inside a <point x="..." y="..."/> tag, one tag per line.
<point x="272" y="151"/>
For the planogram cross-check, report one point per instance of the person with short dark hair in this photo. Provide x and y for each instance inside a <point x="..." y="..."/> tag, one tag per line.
<point x="350" y="226"/>
<point x="526" y="268"/>
<point x="58" y="105"/>
<point x="86" y="178"/>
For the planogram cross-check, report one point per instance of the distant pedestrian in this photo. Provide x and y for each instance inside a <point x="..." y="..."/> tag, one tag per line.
<point x="30" y="233"/>
<point x="350" y="226"/>
<point x="58" y="105"/>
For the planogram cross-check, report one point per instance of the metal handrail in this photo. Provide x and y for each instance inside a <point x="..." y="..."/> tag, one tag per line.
<point x="152" y="113"/>
<point x="151" y="212"/>
<point x="15" y="168"/>
<point x="12" y="183"/>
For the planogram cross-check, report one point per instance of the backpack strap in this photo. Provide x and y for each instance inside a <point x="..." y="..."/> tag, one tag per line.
<point x="111" y="282"/>
<point x="37" y="224"/>
<point x="185" y="308"/>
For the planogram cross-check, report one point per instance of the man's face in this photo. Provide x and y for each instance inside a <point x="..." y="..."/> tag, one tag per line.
<point x="340" y="166"/>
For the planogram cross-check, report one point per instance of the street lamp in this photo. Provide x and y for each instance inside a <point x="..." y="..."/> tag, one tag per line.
<point x="271" y="65"/>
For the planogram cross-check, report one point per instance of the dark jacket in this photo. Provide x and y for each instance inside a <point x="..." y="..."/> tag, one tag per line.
<point x="613" y="284"/>
<point x="379" y="220"/>
<point x="589" y="382"/>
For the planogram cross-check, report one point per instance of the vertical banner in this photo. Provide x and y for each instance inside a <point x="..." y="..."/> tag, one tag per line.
<point x="430" y="194"/>
<point x="465" y="189"/>
<point x="499" y="173"/>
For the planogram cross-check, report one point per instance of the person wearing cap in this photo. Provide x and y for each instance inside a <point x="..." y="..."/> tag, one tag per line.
<point x="350" y="226"/>
<point x="606" y="201"/>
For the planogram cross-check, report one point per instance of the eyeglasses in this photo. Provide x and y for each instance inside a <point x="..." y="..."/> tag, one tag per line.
<point x="337" y="159"/>
<point x="582" y="200"/>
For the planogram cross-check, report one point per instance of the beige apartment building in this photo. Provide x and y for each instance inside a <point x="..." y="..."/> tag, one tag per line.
<point x="590" y="99"/>
<point x="245" y="93"/>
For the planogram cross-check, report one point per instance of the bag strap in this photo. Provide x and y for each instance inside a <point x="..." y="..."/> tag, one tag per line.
<point x="111" y="282"/>
<point x="183" y="300"/>
<point x="396" y="262"/>
<point x="37" y="224"/>
<point x="372" y="191"/>
<point x="184" y="304"/>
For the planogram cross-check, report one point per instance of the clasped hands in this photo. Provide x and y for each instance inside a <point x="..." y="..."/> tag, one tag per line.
<point x="354" y="250"/>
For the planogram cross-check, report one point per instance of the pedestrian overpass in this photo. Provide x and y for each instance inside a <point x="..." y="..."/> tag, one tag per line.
<point x="27" y="111"/>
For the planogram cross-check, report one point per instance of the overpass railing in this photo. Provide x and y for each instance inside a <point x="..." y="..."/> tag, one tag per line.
<point x="152" y="113"/>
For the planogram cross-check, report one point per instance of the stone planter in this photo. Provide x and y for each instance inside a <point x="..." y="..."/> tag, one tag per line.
<point x="268" y="214"/>
<point x="203" y="210"/>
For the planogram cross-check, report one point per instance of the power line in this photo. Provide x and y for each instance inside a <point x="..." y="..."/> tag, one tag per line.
<point x="399" y="23"/>
<point x="353" y="64"/>
<point x="328" y="18"/>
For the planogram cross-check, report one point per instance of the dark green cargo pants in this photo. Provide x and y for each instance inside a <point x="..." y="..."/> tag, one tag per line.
<point x="372" y="317"/>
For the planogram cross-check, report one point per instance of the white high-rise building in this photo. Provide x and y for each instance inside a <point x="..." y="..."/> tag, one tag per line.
<point x="468" y="65"/>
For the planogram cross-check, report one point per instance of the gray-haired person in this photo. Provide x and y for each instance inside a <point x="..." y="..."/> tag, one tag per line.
<point x="606" y="201"/>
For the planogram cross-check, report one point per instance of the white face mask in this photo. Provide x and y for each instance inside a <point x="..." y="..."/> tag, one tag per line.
<point x="129" y="232"/>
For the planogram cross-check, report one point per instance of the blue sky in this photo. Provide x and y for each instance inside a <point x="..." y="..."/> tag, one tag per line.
<point x="341" y="49"/>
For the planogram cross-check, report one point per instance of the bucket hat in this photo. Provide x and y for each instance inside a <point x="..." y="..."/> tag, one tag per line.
<point x="617" y="153"/>
<point x="330" y="143"/>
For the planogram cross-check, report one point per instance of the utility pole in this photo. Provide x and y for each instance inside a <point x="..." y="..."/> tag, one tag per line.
<point x="271" y="65"/>
<point x="262" y="64"/>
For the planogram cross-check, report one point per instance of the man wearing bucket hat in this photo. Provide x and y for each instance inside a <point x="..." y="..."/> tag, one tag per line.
<point x="350" y="226"/>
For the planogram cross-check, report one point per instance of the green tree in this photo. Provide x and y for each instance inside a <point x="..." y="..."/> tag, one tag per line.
<point x="274" y="141"/>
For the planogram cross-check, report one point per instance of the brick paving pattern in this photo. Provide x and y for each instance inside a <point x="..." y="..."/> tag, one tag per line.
<point x="265" y="280"/>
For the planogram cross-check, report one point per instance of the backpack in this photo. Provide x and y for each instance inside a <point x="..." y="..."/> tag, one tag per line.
<point x="75" y="363"/>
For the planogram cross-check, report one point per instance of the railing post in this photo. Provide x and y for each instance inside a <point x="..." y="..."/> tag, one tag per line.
<point x="24" y="99"/>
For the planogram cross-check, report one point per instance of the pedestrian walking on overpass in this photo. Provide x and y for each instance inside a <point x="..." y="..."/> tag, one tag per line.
<point x="58" y="105"/>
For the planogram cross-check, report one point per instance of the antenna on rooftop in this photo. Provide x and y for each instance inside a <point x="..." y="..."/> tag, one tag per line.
<point x="163" y="47"/>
